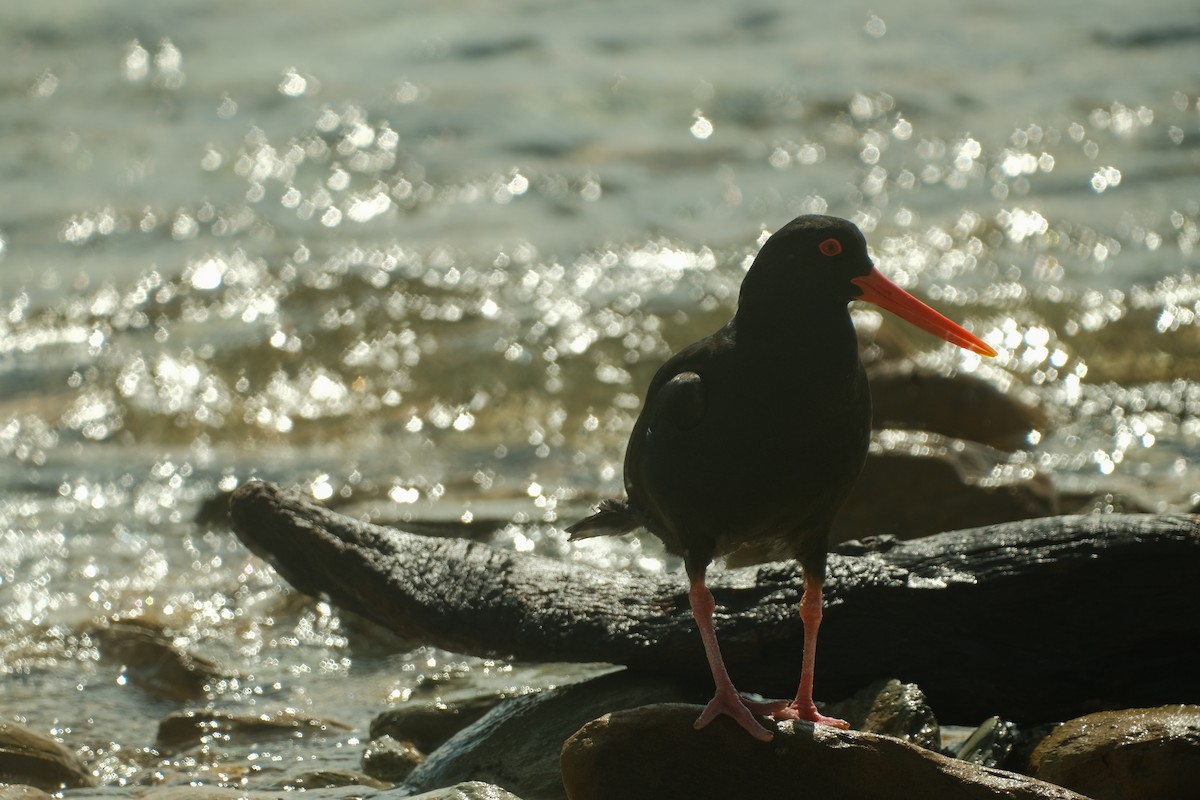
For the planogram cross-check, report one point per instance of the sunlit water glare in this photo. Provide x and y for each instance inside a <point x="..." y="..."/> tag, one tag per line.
<point x="424" y="270"/>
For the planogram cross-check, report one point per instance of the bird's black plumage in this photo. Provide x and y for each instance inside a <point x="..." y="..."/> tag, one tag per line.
<point x="757" y="432"/>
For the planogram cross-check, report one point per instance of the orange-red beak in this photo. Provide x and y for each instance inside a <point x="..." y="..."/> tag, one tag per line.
<point x="885" y="294"/>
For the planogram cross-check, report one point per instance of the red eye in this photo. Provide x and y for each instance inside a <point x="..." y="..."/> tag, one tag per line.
<point x="830" y="247"/>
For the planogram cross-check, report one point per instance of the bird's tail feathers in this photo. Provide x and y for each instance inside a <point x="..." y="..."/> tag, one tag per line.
<point x="613" y="519"/>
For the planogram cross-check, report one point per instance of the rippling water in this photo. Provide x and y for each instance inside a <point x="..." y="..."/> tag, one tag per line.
<point x="422" y="261"/>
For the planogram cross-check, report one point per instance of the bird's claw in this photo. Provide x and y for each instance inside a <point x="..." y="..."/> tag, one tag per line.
<point x="742" y="711"/>
<point x="810" y="714"/>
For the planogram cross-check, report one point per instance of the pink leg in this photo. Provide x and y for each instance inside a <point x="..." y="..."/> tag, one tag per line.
<point x="803" y="707"/>
<point x="726" y="700"/>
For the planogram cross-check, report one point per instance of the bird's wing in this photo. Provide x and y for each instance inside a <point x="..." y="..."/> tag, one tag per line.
<point x="678" y="405"/>
<point x="677" y="399"/>
<point x="675" y="403"/>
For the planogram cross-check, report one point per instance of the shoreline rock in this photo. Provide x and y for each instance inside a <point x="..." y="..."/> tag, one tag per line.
<point x="34" y="759"/>
<point x="653" y="752"/>
<point x="1131" y="754"/>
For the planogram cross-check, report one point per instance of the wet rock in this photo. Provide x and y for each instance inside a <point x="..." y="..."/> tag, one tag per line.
<point x="917" y="484"/>
<point x="27" y="757"/>
<point x="1125" y="755"/>
<point x="20" y="791"/>
<point x="183" y="730"/>
<point x="391" y="760"/>
<point x="653" y="752"/>
<point x="990" y="744"/>
<point x="517" y="744"/>
<point x="470" y="790"/>
<point x="504" y="749"/>
<point x="429" y="725"/>
<point x="312" y="779"/>
<point x="905" y="395"/>
<point x="995" y="742"/>
<point x="891" y="708"/>
<point x="151" y="660"/>
<point x="204" y="792"/>
<point x="1024" y="609"/>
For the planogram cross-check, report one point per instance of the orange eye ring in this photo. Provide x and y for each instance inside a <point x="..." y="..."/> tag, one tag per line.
<point x="830" y="247"/>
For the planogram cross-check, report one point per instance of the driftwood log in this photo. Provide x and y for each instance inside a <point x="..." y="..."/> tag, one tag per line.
<point x="1037" y="621"/>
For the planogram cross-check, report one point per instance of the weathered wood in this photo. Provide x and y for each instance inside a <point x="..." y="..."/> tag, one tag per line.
<point x="1037" y="620"/>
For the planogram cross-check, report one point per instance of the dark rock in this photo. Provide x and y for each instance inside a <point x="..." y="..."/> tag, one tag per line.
<point x="21" y="791"/>
<point x="1028" y="737"/>
<point x="990" y="744"/>
<point x="429" y="725"/>
<point x="653" y="752"/>
<point x="891" y="708"/>
<point x="390" y="760"/>
<point x="468" y="790"/>
<point x="917" y="484"/>
<point x="1025" y="610"/>
<point x="471" y="790"/>
<point x="960" y="406"/>
<point x="151" y="660"/>
<point x="310" y="779"/>
<point x="516" y="745"/>
<point x="183" y="730"/>
<point x="30" y="758"/>
<point x="1125" y="755"/>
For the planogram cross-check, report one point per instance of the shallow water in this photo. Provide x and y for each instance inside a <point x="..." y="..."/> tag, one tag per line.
<point x="424" y="261"/>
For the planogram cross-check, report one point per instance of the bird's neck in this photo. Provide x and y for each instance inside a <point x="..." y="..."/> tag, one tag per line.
<point x="828" y="329"/>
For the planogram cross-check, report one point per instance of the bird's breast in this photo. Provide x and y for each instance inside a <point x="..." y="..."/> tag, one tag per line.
<point x="774" y="453"/>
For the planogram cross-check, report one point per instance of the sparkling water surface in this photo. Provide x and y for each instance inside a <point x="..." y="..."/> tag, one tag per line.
<point x="421" y="260"/>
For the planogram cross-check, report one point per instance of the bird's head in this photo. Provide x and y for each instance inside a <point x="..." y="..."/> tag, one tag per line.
<point x="816" y="264"/>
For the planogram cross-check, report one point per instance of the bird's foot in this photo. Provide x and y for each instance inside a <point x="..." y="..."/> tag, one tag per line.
<point x="733" y="705"/>
<point x="808" y="714"/>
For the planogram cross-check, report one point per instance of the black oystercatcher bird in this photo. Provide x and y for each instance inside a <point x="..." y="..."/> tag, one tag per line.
<point x="757" y="433"/>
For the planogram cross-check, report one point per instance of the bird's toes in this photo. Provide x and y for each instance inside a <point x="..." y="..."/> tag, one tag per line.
<point x="809" y="714"/>
<point x="732" y="705"/>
